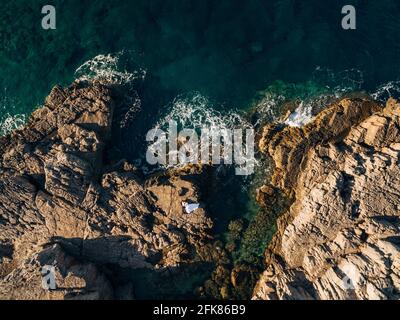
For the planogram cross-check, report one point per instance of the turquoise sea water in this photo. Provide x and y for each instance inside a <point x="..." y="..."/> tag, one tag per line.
<point x="206" y="58"/>
<point x="226" y="50"/>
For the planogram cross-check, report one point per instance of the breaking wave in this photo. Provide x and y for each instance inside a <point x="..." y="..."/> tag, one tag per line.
<point x="110" y="69"/>
<point x="271" y="107"/>
<point x="194" y="111"/>
<point x="305" y="100"/>
<point x="385" y="91"/>
<point x="9" y="123"/>
<point x="300" y="117"/>
<point x="116" y="69"/>
<point x="10" y="118"/>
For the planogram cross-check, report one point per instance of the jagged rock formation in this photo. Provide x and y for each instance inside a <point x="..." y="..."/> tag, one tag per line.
<point x="61" y="205"/>
<point x="96" y="222"/>
<point x="340" y="238"/>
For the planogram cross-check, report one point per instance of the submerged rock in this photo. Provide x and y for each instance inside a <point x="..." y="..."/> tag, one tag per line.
<point x="339" y="239"/>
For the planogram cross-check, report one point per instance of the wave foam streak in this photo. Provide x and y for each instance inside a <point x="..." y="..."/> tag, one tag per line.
<point x="10" y="118"/>
<point x="109" y="69"/>
<point x="196" y="112"/>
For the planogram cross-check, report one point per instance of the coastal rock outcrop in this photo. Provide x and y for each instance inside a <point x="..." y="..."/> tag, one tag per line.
<point x="63" y="205"/>
<point x="98" y="223"/>
<point x="340" y="237"/>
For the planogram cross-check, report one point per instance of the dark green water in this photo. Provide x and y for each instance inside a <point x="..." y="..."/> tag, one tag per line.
<point x="226" y="50"/>
<point x="216" y="55"/>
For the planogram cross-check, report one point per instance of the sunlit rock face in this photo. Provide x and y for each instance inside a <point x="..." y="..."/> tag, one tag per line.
<point x="62" y="205"/>
<point x="340" y="237"/>
<point x="99" y="223"/>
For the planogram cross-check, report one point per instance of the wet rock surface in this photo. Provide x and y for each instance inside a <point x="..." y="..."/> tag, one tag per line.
<point x="339" y="237"/>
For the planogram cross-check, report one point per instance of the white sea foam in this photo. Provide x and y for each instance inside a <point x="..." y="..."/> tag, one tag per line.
<point x="269" y="108"/>
<point x="309" y="100"/>
<point x="300" y="117"/>
<point x="112" y="69"/>
<point x="10" y="122"/>
<point x="195" y="111"/>
<point x="387" y="90"/>
<point x="107" y="68"/>
<point x="10" y="118"/>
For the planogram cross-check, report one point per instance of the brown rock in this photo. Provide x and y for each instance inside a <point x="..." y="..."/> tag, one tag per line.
<point x="339" y="238"/>
<point x="56" y="191"/>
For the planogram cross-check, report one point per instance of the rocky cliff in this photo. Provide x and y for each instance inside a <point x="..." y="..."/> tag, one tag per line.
<point x="340" y="236"/>
<point x="63" y="206"/>
<point x="97" y="225"/>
